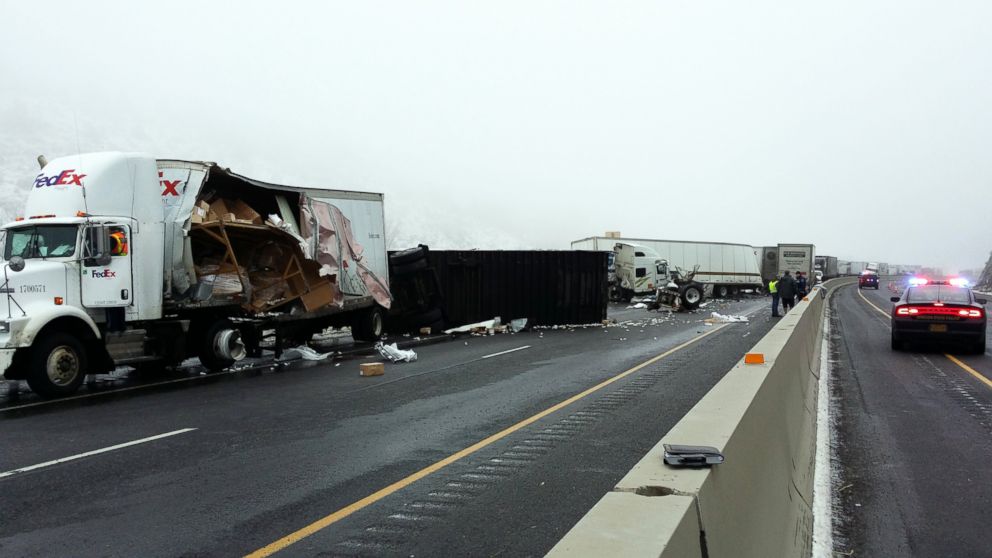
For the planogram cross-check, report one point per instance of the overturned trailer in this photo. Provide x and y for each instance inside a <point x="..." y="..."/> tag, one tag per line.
<point x="152" y="261"/>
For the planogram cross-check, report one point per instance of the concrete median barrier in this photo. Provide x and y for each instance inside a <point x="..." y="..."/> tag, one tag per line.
<point x="762" y="417"/>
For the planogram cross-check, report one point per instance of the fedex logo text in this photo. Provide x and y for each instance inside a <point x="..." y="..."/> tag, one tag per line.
<point x="64" y="178"/>
<point x="169" y="187"/>
<point x="105" y="274"/>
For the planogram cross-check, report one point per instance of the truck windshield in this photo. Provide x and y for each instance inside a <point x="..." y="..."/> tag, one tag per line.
<point x="42" y="241"/>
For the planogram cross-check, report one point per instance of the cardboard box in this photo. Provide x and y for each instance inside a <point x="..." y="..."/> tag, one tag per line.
<point x="318" y="297"/>
<point x="243" y="212"/>
<point x="425" y="331"/>
<point x="371" y="369"/>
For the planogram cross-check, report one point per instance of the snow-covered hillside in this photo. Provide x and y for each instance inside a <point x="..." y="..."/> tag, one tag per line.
<point x="29" y="129"/>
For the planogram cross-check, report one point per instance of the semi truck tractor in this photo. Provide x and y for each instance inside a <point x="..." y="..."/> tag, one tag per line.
<point x="123" y="259"/>
<point x="723" y="267"/>
<point x="640" y="271"/>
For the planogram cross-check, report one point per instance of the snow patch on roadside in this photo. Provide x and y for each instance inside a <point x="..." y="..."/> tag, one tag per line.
<point x="822" y="476"/>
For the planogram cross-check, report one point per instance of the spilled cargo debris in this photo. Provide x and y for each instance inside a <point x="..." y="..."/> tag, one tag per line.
<point x="716" y="317"/>
<point x="395" y="354"/>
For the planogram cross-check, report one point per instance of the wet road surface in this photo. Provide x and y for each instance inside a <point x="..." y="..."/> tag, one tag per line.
<point x="229" y="467"/>
<point x="913" y="439"/>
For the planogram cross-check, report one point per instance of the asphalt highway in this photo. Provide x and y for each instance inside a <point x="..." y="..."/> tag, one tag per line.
<point x="913" y="438"/>
<point x="483" y="446"/>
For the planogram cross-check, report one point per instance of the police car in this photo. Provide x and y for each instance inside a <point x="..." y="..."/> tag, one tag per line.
<point x="939" y="311"/>
<point x="868" y="280"/>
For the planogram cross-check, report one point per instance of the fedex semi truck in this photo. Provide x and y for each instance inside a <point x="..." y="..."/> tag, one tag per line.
<point x="123" y="259"/>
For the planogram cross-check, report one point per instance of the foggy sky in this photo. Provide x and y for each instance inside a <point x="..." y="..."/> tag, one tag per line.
<point x="863" y="128"/>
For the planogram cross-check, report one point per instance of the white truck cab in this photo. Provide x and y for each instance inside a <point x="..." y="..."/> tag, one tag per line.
<point x="638" y="269"/>
<point x="61" y="281"/>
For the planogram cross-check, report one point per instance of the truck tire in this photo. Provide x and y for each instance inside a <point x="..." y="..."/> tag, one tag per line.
<point x="57" y="365"/>
<point x="409" y="255"/>
<point x="206" y="352"/>
<point x="722" y="291"/>
<point x="692" y="296"/>
<point x="368" y="325"/>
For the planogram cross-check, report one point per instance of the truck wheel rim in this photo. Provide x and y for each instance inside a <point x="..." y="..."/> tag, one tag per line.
<point x="691" y="296"/>
<point x="377" y="324"/>
<point x="62" y="366"/>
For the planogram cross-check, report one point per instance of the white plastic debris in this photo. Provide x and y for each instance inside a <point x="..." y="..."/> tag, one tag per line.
<point x="394" y="353"/>
<point x="303" y="352"/>
<point x="717" y="317"/>
<point x="486" y="325"/>
<point x="518" y="325"/>
<point x="638" y="305"/>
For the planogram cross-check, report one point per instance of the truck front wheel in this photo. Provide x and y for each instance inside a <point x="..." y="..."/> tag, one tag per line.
<point x="692" y="296"/>
<point x="368" y="325"/>
<point x="57" y="365"/>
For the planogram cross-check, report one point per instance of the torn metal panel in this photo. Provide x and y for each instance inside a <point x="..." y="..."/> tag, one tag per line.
<point x="329" y="235"/>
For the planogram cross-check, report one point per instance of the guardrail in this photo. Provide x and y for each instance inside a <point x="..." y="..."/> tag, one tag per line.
<point x="762" y="417"/>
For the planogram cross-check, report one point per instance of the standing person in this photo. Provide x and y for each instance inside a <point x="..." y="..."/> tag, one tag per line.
<point x="773" y="289"/>
<point x="787" y="291"/>
<point x="801" y="284"/>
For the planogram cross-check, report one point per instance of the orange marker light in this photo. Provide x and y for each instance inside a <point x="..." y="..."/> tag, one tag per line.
<point x="58" y="301"/>
<point x="754" y="358"/>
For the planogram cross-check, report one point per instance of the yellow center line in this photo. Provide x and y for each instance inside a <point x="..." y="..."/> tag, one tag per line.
<point x="979" y="376"/>
<point x="344" y="512"/>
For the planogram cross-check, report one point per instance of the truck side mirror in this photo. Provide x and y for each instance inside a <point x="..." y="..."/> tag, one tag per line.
<point x="895" y="298"/>
<point x="96" y="247"/>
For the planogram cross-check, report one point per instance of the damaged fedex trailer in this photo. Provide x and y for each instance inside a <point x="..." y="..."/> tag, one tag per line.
<point x="122" y="259"/>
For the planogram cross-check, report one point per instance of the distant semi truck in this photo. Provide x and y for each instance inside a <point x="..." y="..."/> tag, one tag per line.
<point x="856" y="268"/>
<point x="828" y="265"/>
<point x="725" y="268"/>
<point x="791" y="257"/>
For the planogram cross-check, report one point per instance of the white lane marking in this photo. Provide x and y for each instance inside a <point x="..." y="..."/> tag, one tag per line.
<point x="94" y="452"/>
<point x="506" y="352"/>
<point x="822" y="475"/>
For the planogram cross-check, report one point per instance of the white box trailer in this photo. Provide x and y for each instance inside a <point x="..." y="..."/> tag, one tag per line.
<point x="725" y="267"/>
<point x="122" y="259"/>
<point x="857" y="268"/>
<point x="797" y="258"/>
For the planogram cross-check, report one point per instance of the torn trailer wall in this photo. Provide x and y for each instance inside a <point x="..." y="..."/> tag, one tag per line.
<point x="546" y="287"/>
<point x="268" y="247"/>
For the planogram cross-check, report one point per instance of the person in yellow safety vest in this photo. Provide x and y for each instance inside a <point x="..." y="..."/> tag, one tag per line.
<point x="118" y="243"/>
<point x="773" y="289"/>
